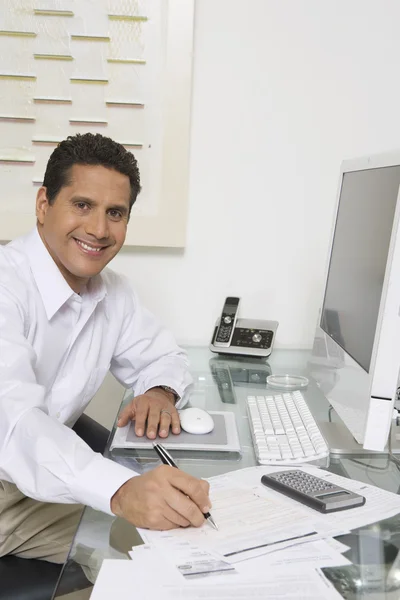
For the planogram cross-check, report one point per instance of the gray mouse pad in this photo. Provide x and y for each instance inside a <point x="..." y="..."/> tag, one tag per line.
<point x="216" y="436"/>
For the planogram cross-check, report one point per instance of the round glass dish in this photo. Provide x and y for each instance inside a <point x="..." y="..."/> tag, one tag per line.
<point x="287" y="382"/>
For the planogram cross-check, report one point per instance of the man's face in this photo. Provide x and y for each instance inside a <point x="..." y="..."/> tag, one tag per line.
<point x="86" y="225"/>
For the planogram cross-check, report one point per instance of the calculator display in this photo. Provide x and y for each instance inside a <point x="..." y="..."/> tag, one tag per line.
<point x="331" y="494"/>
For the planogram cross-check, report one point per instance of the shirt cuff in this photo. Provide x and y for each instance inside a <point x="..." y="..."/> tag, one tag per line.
<point x="99" y="481"/>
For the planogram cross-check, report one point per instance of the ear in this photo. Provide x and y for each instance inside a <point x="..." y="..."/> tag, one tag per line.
<point x="42" y="204"/>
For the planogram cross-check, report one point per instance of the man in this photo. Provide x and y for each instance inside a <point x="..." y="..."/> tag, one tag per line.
<point x="62" y="327"/>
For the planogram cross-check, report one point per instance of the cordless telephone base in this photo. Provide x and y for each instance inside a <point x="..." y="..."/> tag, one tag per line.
<point x="251" y="337"/>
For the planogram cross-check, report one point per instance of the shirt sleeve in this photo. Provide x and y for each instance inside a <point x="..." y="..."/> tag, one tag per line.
<point x="45" y="459"/>
<point x="146" y="354"/>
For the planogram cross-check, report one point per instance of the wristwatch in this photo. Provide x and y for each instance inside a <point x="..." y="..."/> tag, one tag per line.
<point x="170" y="390"/>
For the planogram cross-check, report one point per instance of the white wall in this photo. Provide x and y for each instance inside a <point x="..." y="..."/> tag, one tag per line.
<point x="283" y="90"/>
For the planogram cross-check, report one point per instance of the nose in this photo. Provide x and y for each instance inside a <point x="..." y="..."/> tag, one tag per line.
<point x="97" y="225"/>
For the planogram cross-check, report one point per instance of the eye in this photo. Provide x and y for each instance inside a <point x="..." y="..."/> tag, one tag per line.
<point x="82" y="206"/>
<point x="115" y="215"/>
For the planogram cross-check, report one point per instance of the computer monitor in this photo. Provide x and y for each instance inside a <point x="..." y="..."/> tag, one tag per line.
<point x="356" y="352"/>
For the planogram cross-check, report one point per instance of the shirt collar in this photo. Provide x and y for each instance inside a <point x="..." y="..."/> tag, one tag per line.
<point x="52" y="286"/>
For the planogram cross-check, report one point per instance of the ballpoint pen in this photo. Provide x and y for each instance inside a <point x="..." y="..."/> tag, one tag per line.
<point x="167" y="459"/>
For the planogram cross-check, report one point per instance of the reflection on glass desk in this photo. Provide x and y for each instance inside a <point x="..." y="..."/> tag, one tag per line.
<point x="223" y="384"/>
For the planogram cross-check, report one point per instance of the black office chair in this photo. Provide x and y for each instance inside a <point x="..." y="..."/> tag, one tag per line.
<point x="31" y="579"/>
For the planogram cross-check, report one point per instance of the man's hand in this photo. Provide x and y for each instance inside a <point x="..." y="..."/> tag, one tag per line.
<point x="156" y="407"/>
<point x="164" y="498"/>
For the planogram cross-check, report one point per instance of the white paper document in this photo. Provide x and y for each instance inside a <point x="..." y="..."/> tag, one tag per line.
<point x="299" y="587"/>
<point x="379" y="504"/>
<point x="254" y="519"/>
<point x="192" y="561"/>
<point x="149" y="578"/>
<point x="313" y="555"/>
<point x="246" y="522"/>
<point x="188" y="559"/>
<point x="336" y="545"/>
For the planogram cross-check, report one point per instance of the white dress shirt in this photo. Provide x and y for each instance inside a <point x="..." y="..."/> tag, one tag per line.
<point x="55" y="349"/>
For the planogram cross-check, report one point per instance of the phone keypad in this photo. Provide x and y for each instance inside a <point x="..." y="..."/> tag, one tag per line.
<point x="225" y="328"/>
<point x="224" y="333"/>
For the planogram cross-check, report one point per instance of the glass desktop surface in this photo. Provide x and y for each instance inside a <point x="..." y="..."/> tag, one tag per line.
<point x="222" y="383"/>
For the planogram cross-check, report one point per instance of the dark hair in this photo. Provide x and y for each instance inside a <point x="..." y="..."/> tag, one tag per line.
<point x="89" y="149"/>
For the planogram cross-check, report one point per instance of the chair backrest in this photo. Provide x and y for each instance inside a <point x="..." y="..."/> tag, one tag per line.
<point x="27" y="579"/>
<point x="31" y="579"/>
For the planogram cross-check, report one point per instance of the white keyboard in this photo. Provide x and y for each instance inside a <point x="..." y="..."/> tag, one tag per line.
<point x="284" y="430"/>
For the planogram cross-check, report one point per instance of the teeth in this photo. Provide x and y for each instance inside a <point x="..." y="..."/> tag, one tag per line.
<point x="87" y="247"/>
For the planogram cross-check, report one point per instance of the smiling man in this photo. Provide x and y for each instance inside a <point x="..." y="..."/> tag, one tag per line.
<point x="65" y="321"/>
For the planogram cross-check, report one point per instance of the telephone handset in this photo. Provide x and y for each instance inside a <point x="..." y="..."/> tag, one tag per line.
<point x="227" y="322"/>
<point x="246" y="337"/>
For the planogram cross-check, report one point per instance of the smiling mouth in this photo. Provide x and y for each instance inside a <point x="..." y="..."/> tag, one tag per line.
<point x="88" y="249"/>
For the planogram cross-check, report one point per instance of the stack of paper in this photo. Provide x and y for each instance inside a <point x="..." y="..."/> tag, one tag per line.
<point x="266" y="546"/>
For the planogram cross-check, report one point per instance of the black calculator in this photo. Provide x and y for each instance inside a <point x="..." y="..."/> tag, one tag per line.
<point x="312" y="491"/>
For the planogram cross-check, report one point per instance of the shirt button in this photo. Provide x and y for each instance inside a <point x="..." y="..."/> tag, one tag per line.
<point x="58" y="415"/>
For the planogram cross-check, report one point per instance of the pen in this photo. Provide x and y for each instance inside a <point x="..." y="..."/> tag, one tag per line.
<point x="167" y="459"/>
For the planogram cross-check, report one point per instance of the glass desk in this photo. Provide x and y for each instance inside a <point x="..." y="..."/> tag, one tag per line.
<point x="223" y="384"/>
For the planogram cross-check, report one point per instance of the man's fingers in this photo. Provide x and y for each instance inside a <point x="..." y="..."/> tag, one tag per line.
<point x="165" y="422"/>
<point x="196" y="489"/>
<point x="185" y="507"/>
<point x="159" y="522"/>
<point x="150" y="418"/>
<point x="140" y="418"/>
<point x="175" y="422"/>
<point x="153" y="420"/>
<point x="126" y="415"/>
<point x="175" y="518"/>
<point x="190" y="498"/>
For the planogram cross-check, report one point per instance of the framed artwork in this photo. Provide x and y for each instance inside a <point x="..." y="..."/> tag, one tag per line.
<point x="118" y="67"/>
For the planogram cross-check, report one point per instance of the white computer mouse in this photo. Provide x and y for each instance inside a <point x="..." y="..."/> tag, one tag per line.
<point x="195" y="420"/>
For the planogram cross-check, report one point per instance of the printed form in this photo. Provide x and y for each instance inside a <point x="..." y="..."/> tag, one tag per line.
<point x="191" y="560"/>
<point x="254" y="520"/>
<point x="245" y="522"/>
<point x="379" y="504"/>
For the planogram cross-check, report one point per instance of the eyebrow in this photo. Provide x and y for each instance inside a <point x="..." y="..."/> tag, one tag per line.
<point x="121" y="207"/>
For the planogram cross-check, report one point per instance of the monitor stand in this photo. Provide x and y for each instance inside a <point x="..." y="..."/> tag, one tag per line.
<point x="341" y="441"/>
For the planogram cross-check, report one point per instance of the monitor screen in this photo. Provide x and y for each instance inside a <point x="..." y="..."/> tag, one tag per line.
<point x="358" y="259"/>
